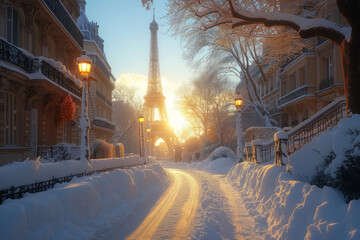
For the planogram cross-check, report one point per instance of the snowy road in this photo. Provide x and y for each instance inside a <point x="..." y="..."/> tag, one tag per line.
<point x="196" y="205"/>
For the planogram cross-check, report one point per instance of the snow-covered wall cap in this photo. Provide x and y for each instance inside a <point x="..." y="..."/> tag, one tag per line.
<point x="281" y="135"/>
<point x="287" y="129"/>
<point x="257" y="142"/>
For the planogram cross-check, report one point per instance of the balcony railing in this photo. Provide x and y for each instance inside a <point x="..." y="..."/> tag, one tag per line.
<point x="54" y="75"/>
<point x="103" y="124"/>
<point x="65" y="19"/>
<point x="293" y="95"/>
<point x="97" y="61"/>
<point x="328" y="82"/>
<point x="100" y="95"/>
<point x="12" y="54"/>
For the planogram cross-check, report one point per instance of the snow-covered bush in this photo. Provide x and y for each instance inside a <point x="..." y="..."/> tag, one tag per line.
<point x="101" y="149"/>
<point x="332" y="159"/>
<point x="62" y="151"/>
<point x="346" y="177"/>
<point x="222" y="152"/>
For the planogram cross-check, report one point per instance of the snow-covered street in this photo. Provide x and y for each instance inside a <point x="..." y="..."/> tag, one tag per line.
<point x="196" y="205"/>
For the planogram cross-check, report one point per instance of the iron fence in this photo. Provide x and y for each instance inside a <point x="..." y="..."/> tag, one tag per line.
<point x="12" y="54"/>
<point x="301" y="136"/>
<point x="63" y="152"/>
<point x="54" y="75"/>
<point x="298" y="93"/>
<point x="267" y="152"/>
<point x="19" y="191"/>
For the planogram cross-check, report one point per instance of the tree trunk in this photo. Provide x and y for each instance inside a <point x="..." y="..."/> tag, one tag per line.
<point x="350" y="55"/>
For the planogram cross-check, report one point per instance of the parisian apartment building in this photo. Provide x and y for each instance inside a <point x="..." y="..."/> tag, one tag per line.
<point x="40" y="87"/>
<point x="305" y="84"/>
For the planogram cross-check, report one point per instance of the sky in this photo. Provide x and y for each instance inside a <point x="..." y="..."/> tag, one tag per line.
<point x="124" y="26"/>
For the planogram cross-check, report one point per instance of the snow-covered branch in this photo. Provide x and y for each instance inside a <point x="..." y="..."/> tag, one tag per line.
<point x="306" y="27"/>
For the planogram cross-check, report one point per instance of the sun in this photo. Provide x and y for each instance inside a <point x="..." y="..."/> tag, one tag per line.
<point x="177" y="120"/>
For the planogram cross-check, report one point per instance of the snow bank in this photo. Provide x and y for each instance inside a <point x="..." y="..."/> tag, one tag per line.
<point x="291" y="209"/>
<point x="35" y="171"/>
<point x="220" y="161"/>
<point x="71" y="210"/>
<point x="338" y="140"/>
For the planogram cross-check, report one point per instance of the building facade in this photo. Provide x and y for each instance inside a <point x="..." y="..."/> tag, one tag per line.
<point x="304" y="85"/>
<point x="103" y="82"/>
<point x="33" y="88"/>
<point x="39" y="43"/>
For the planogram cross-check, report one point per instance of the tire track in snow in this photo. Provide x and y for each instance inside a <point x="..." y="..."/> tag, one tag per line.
<point x="155" y="218"/>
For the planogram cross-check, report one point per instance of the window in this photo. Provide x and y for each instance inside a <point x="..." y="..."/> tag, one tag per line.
<point x="329" y="67"/>
<point x="12" y="25"/>
<point x="10" y="119"/>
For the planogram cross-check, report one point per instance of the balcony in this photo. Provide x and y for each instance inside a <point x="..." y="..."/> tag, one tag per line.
<point x="57" y="77"/>
<point x="103" y="123"/>
<point x="60" y="12"/>
<point x="13" y="55"/>
<point x="98" y="62"/>
<point x="100" y="95"/>
<point x="297" y="93"/>
<point x="326" y="83"/>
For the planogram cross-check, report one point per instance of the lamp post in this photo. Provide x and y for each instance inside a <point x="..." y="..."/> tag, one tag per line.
<point x="148" y="130"/>
<point x="84" y="63"/>
<point x="141" y="135"/>
<point x="239" y="148"/>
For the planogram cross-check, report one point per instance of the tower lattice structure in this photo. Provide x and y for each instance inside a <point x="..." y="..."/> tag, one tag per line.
<point x="154" y="105"/>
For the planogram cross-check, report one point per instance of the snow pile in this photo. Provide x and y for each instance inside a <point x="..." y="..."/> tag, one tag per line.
<point x="291" y="209"/>
<point x="35" y="171"/>
<point x="306" y="161"/>
<point x="220" y="161"/>
<point x="73" y="210"/>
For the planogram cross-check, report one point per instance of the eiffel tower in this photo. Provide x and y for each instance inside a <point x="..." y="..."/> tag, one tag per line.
<point x="154" y="105"/>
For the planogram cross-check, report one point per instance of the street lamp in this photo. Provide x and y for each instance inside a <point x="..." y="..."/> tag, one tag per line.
<point x="148" y="130"/>
<point x="238" y="103"/>
<point x="141" y="135"/>
<point x="84" y="63"/>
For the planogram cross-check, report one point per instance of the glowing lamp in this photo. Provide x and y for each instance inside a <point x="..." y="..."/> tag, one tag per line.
<point x="141" y="118"/>
<point x="238" y="101"/>
<point x="182" y="147"/>
<point x="84" y="63"/>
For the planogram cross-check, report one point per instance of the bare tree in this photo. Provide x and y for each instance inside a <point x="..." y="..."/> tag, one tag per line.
<point x="306" y="18"/>
<point x="202" y="102"/>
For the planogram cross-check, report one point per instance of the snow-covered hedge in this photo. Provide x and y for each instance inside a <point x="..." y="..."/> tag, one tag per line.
<point x="332" y="159"/>
<point x="27" y="172"/>
<point x="75" y="210"/>
<point x="292" y="209"/>
<point x="222" y="152"/>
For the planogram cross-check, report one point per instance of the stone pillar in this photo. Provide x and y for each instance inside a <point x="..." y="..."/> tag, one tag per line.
<point x="281" y="155"/>
<point x="256" y="151"/>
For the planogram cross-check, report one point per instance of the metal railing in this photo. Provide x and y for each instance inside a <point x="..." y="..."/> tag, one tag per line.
<point x="102" y="96"/>
<point x="326" y="83"/>
<point x="64" y="152"/>
<point x="19" y="191"/>
<point x="59" y="11"/>
<point x="98" y="62"/>
<point x="54" y="75"/>
<point x="12" y="54"/>
<point x="304" y="134"/>
<point x="103" y="124"/>
<point x="267" y="152"/>
<point x="298" y="93"/>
